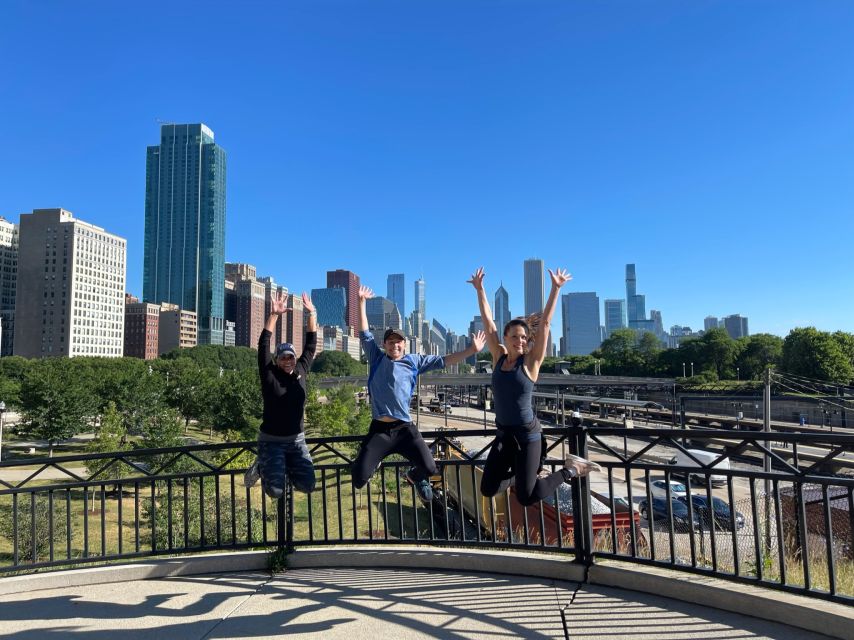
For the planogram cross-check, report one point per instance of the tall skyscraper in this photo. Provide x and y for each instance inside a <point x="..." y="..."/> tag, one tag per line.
<point x="421" y="298"/>
<point x="635" y="303"/>
<point x="395" y="291"/>
<point x="8" y="284"/>
<point x="580" y="319"/>
<point x="615" y="315"/>
<point x="185" y="226"/>
<point x="331" y="305"/>
<point x="534" y="268"/>
<point x="502" y="308"/>
<point x="74" y="277"/>
<point x="710" y="322"/>
<point x="349" y="281"/>
<point x="736" y="326"/>
<point x="382" y="314"/>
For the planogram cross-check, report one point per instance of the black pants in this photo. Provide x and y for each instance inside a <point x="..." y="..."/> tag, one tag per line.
<point x="385" y="438"/>
<point x="517" y="451"/>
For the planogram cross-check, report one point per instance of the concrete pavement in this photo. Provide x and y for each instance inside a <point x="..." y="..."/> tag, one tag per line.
<point x="353" y="603"/>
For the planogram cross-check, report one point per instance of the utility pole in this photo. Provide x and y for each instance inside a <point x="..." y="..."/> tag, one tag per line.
<point x="766" y="427"/>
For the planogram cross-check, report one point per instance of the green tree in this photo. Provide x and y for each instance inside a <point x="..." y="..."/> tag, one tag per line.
<point x="12" y="371"/>
<point x="718" y="353"/>
<point x="758" y="352"/>
<point x="211" y="356"/>
<point x="619" y="350"/>
<point x="816" y="354"/>
<point x="55" y="400"/>
<point x="649" y="349"/>
<point x="233" y="402"/>
<point x="337" y="363"/>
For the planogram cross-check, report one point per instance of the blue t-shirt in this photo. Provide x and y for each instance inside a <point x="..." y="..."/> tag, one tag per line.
<point x="391" y="382"/>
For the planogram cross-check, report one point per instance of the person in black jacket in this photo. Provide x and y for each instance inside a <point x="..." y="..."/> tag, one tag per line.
<point x="282" y="451"/>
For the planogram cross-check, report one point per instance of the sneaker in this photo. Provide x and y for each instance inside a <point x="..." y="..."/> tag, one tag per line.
<point x="422" y="487"/>
<point x="252" y="475"/>
<point x="582" y="466"/>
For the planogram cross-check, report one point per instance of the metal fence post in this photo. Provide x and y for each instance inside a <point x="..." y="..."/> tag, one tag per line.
<point x="581" y="512"/>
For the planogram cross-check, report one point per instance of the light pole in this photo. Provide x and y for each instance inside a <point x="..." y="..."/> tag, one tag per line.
<point x="738" y="374"/>
<point x="683" y="369"/>
<point x="2" y="411"/>
<point x="692" y="369"/>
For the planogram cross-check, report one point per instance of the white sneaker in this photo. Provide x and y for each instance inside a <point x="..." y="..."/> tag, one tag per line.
<point x="252" y="475"/>
<point x="582" y="466"/>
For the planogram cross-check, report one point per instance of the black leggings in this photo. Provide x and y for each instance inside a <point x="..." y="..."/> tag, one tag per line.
<point x="518" y="452"/>
<point x="385" y="438"/>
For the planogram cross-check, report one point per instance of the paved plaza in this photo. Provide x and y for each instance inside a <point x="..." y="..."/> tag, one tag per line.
<point x="366" y="603"/>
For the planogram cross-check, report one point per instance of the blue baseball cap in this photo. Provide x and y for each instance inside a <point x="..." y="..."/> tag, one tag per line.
<point x="285" y="349"/>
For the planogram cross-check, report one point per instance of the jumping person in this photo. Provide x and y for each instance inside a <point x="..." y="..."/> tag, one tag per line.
<point x="391" y="382"/>
<point x="282" y="451"/>
<point x="517" y="447"/>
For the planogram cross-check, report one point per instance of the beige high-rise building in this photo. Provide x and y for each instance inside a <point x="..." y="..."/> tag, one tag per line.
<point x="178" y="328"/>
<point x="8" y="282"/>
<point x="73" y="274"/>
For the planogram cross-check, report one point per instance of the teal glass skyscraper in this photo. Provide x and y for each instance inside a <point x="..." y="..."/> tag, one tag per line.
<point x="185" y="225"/>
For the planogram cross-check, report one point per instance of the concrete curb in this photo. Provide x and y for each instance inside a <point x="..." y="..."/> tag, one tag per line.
<point x="191" y="565"/>
<point x="550" y="567"/>
<point x="828" y="618"/>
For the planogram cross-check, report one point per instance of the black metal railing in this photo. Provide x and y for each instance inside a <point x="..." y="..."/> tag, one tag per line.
<point x="781" y="517"/>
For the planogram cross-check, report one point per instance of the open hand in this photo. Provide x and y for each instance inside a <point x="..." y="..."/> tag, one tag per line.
<point x="307" y="303"/>
<point x="279" y="303"/>
<point x="560" y="277"/>
<point x="365" y="293"/>
<point x="477" y="279"/>
<point x="478" y="340"/>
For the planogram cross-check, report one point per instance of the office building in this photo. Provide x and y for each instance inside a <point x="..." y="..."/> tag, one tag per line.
<point x="294" y="323"/>
<point x="382" y="314"/>
<point x="349" y="282"/>
<point x="273" y="291"/>
<point x="421" y="298"/>
<point x="331" y="305"/>
<point x="8" y="284"/>
<point x="635" y="303"/>
<point x="534" y="268"/>
<point x="178" y="328"/>
<point x="142" y="329"/>
<point x="615" y="316"/>
<point x="396" y="292"/>
<point x="245" y="303"/>
<point x="710" y="322"/>
<point x="184" y="257"/>
<point x="502" y="308"/>
<point x="580" y="320"/>
<point x="73" y="274"/>
<point x="736" y="326"/>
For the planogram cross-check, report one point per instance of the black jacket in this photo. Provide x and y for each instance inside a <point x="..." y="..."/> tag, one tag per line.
<point x="284" y="395"/>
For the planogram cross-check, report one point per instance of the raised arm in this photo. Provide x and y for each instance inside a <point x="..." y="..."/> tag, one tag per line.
<point x="312" y="313"/>
<point x="278" y="306"/>
<point x="493" y="340"/>
<point x="365" y="294"/>
<point x="538" y="352"/>
<point x="478" y="341"/>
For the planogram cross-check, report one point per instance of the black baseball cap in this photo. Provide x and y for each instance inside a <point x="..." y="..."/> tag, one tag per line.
<point x="393" y="332"/>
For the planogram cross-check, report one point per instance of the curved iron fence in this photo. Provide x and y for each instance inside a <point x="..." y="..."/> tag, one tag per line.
<point x="770" y="509"/>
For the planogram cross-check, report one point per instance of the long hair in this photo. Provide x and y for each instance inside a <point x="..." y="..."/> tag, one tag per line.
<point x="531" y="325"/>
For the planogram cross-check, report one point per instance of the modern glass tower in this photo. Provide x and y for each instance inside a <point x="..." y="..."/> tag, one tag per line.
<point x="421" y="298"/>
<point x="581" y="333"/>
<point x="615" y="315"/>
<point x="502" y="309"/>
<point x="534" y="268"/>
<point x="184" y="259"/>
<point x="395" y="292"/>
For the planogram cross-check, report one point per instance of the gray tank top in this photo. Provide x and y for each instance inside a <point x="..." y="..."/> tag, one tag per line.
<point x="512" y="392"/>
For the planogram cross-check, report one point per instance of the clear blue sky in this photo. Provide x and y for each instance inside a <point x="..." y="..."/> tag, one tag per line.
<point x="711" y="143"/>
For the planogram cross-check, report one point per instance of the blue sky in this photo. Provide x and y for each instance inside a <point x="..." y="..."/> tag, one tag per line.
<point x="710" y="143"/>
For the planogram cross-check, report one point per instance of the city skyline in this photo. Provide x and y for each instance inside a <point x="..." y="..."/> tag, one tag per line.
<point x="710" y="167"/>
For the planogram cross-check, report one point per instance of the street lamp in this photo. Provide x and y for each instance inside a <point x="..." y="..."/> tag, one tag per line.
<point x="2" y="411"/>
<point x="692" y="369"/>
<point x="683" y="369"/>
<point x="738" y="374"/>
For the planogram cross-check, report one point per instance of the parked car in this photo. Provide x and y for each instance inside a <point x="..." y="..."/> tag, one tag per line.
<point x="658" y="488"/>
<point x="681" y="520"/>
<point x="720" y="513"/>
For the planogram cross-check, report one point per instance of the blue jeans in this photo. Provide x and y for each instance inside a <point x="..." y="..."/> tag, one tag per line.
<point x="279" y="460"/>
